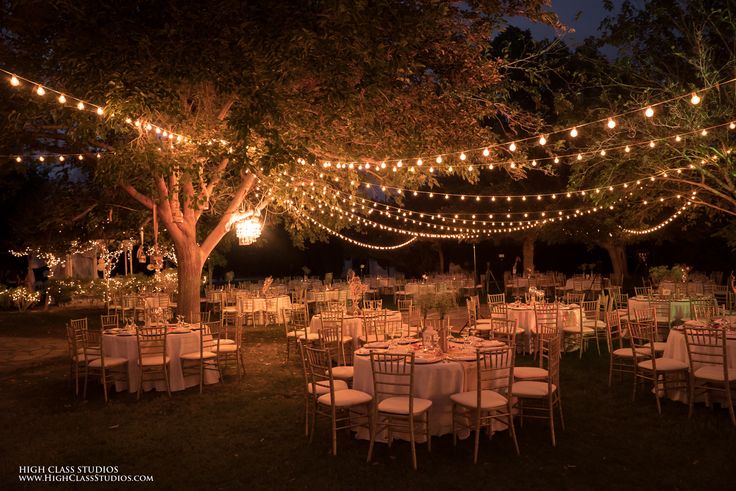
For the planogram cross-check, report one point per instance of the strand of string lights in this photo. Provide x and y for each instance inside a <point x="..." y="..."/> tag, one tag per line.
<point x="542" y="139"/>
<point x="660" y="225"/>
<point x="626" y="186"/>
<point x="356" y="242"/>
<point x="626" y="148"/>
<point x="53" y="157"/>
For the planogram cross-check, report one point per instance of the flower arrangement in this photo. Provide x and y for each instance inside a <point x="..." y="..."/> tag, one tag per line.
<point x="266" y="285"/>
<point x="443" y="302"/>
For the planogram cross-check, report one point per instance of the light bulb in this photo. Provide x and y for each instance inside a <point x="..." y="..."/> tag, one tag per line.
<point x="542" y="140"/>
<point x="431" y="170"/>
<point x="512" y="147"/>
<point x="398" y="164"/>
<point x="678" y="138"/>
<point x="80" y="157"/>
<point x="41" y="158"/>
<point x="383" y="165"/>
<point x="40" y="90"/>
<point x="80" y="105"/>
<point x="695" y="99"/>
<point x="419" y="162"/>
<point x="100" y="111"/>
<point x="627" y="149"/>
<point x="487" y="152"/>
<point x="61" y="158"/>
<point x="580" y="157"/>
<point x="611" y="123"/>
<point x="534" y="163"/>
<point x="574" y="132"/>
<point x="62" y="99"/>
<point x="651" y="144"/>
<point x="704" y="132"/>
<point x="557" y="160"/>
<point x="463" y="156"/>
<point x="603" y="153"/>
<point x="649" y="112"/>
<point x="18" y="159"/>
<point x="14" y="81"/>
<point x="438" y="159"/>
<point x="732" y="126"/>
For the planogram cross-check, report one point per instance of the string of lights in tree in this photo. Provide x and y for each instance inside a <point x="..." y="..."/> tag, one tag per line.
<point x="70" y="101"/>
<point x="511" y="146"/>
<point x="440" y="165"/>
<point x="501" y="226"/>
<point x="53" y="157"/>
<point x="660" y="225"/>
<point x="353" y="241"/>
<point x="476" y="214"/>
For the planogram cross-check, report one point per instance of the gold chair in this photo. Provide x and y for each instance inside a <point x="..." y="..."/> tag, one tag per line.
<point x="393" y="391"/>
<point x="231" y="348"/>
<point x="506" y="330"/>
<point x="588" y="327"/>
<point x="334" y="400"/>
<point x="106" y="367"/>
<point x="111" y="321"/>
<point x="206" y="357"/>
<point x="79" y="356"/>
<point x="331" y="340"/>
<point x="546" y="318"/>
<point x="335" y="318"/>
<point x="663" y="373"/>
<point x="374" y="326"/>
<point x="648" y="316"/>
<point x="491" y="400"/>
<point x="621" y="359"/>
<point x="703" y="308"/>
<point x="153" y="362"/>
<point x="199" y="317"/>
<point x="482" y="326"/>
<point x="709" y="370"/>
<point x="539" y="398"/>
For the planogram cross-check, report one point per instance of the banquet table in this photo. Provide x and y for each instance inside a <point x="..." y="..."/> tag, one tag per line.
<point x="677" y="348"/>
<point x="434" y="381"/>
<point x="352" y="325"/>
<point x="272" y="305"/>
<point x="126" y="346"/>
<point x="679" y="309"/>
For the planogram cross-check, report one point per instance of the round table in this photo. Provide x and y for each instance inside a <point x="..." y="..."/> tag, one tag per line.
<point x="679" y="309"/>
<point x="523" y="314"/>
<point x="352" y="325"/>
<point x="126" y="346"/>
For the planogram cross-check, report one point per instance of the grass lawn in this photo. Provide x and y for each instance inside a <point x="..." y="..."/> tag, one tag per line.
<point x="249" y="434"/>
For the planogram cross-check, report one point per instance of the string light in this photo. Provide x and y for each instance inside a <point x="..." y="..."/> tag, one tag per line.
<point x="695" y="99"/>
<point x="649" y="112"/>
<point x="611" y="123"/>
<point x="659" y="226"/>
<point x="357" y="242"/>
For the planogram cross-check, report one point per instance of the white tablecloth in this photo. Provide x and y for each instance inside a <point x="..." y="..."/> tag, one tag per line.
<point x="273" y="305"/>
<point x="677" y="348"/>
<point x="679" y="309"/>
<point x="352" y="325"/>
<point x="524" y="315"/>
<point x="176" y="345"/>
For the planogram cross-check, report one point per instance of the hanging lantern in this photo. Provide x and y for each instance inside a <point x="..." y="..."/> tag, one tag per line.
<point x="248" y="230"/>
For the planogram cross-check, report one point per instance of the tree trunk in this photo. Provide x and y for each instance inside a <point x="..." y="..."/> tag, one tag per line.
<point x="617" y="253"/>
<point x="189" y="272"/>
<point x="528" y="253"/>
<point x="441" y="255"/>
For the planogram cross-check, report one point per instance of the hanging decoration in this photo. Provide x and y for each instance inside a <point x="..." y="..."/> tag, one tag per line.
<point x="157" y="259"/>
<point x="141" y="251"/>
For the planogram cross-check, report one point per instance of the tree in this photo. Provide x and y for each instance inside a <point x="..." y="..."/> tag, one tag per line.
<point x="211" y="109"/>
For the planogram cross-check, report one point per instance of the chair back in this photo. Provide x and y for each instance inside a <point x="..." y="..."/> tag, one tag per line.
<point x="210" y="335"/>
<point x="496" y="298"/>
<point x="494" y="370"/>
<point x="199" y="317"/>
<point x="590" y="310"/>
<point x="374" y="325"/>
<point x="76" y="336"/>
<point x="574" y="297"/>
<point x="614" y="333"/>
<point x="318" y="369"/>
<point x="393" y="376"/>
<point x="643" y="291"/>
<point x="642" y="335"/>
<point x="395" y="328"/>
<point x="549" y="357"/>
<point x="296" y="319"/>
<point x="500" y="310"/>
<point x="546" y="317"/>
<point x="151" y="342"/>
<point x="703" y="308"/>
<point x="109" y="321"/>
<point x="504" y="330"/>
<point x="330" y="339"/>
<point x="706" y="346"/>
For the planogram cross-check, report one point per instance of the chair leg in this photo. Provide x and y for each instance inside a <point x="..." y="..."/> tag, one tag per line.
<point x="429" y="437"/>
<point x="454" y="430"/>
<point x="166" y="379"/>
<point x="691" y="399"/>
<point x="334" y="432"/>
<point x="104" y="384"/>
<point x="374" y="418"/>
<point x="140" y="383"/>
<point x="552" y="423"/>
<point x="477" y="437"/>
<point x="512" y="431"/>
<point x="412" y="442"/>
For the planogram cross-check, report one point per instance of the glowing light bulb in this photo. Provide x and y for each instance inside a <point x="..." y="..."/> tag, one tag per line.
<point x="449" y="169"/>
<point x="695" y="99"/>
<point x="627" y="149"/>
<point x="574" y="132"/>
<point x="419" y="162"/>
<point x="431" y="170"/>
<point x="732" y="126"/>
<point x="611" y="123"/>
<point x="18" y="159"/>
<point x="80" y="157"/>
<point x="487" y="152"/>
<point x="557" y="160"/>
<point x="41" y="158"/>
<point x="383" y="165"/>
<point x="40" y="90"/>
<point x="542" y="140"/>
<point x="62" y="99"/>
<point x="80" y="105"/>
<point x="651" y="144"/>
<point x="649" y="112"/>
<point x="678" y="138"/>
<point x="61" y="158"/>
<point x="580" y="156"/>
<point x="603" y="153"/>
<point x="534" y="163"/>
<point x="704" y="132"/>
<point x="463" y="156"/>
<point x="14" y="81"/>
<point x="398" y="164"/>
<point x="100" y="111"/>
<point x="438" y="159"/>
<point x="512" y="147"/>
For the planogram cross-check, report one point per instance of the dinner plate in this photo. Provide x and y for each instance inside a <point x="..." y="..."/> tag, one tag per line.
<point x="405" y="341"/>
<point x="126" y="334"/>
<point x="493" y="343"/>
<point x="462" y="356"/>
<point x="376" y="344"/>
<point x="180" y="331"/>
<point x="427" y="360"/>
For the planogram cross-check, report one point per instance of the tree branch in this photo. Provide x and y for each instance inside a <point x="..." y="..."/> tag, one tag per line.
<point x="218" y="232"/>
<point x="138" y="196"/>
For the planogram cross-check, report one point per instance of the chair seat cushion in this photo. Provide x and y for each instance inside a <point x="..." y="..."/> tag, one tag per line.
<point x="154" y="360"/>
<point x="323" y="386"/>
<point x="110" y="361"/>
<point x="710" y="372"/>
<point x="489" y="399"/>
<point x="342" y="373"/>
<point x="226" y="341"/>
<point x="594" y="323"/>
<point x="400" y="405"/>
<point x="529" y="373"/>
<point x="576" y="330"/>
<point x="626" y="352"/>
<point x="80" y="357"/>
<point x="227" y="348"/>
<point x="659" y="346"/>
<point x="196" y="355"/>
<point x="530" y="388"/>
<point x="311" y="336"/>
<point x="346" y="398"/>
<point x="664" y="364"/>
<point x="480" y="322"/>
